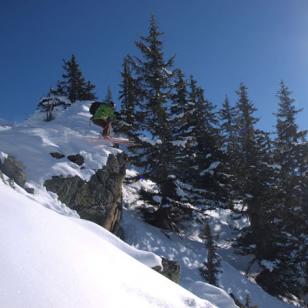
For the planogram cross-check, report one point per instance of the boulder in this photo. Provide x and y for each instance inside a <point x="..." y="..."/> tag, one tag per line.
<point x="99" y="199"/>
<point x="77" y="159"/>
<point x="14" y="170"/>
<point x="171" y="270"/>
<point x="57" y="155"/>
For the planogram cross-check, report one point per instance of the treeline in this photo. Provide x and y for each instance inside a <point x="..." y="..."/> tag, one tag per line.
<point x="205" y="157"/>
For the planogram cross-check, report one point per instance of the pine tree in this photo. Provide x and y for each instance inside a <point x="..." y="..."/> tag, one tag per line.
<point x="246" y="168"/>
<point x="179" y="119"/>
<point x="108" y="98"/>
<point x="205" y="170"/>
<point x="48" y="104"/>
<point x="73" y="84"/>
<point x="290" y="246"/>
<point x="230" y="149"/>
<point x="255" y="181"/>
<point x="128" y="97"/>
<point x="211" y="267"/>
<point x="153" y="76"/>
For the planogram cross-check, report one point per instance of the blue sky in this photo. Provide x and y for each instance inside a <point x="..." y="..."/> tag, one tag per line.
<point x="220" y="42"/>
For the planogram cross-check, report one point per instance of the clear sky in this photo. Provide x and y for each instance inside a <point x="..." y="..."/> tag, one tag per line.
<point x="220" y="42"/>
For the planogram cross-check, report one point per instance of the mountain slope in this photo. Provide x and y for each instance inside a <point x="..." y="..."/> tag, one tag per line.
<point x="63" y="261"/>
<point x="50" y="260"/>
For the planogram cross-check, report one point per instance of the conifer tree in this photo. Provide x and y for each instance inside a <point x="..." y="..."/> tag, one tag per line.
<point x="153" y="76"/>
<point x="128" y="97"/>
<point x="246" y="169"/>
<point x="73" y="84"/>
<point x="228" y="132"/>
<point x="179" y="120"/>
<point x="108" y="97"/>
<point x="255" y="180"/>
<point x="290" y="212"/>
<point x="211" y="266"/>
<point x="291" y="155"/>
<point x="204" y="170"/>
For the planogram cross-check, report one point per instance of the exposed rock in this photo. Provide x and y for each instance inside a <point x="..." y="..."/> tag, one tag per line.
<point x="77" y="159"/>
<point x="14" y="170"/>
<point x="57" y="155"/>
<point x="171" y="270"/>
<point x="100" y="199"/>
<point x="29" y="190"/>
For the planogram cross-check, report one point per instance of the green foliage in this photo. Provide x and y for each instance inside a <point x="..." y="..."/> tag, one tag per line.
<point x="73" y="85"/>
<point x="211" y="266"/>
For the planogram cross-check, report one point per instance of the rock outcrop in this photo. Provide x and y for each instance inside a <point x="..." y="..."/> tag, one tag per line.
<point x="76" y="159"/>
<point x="14" y="170"/>
<point x="99" y="199"/>
<point x="171" y="270"/>
<point x="57" y="155"/>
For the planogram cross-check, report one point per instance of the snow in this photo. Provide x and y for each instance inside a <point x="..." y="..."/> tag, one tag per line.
<point x="211" y="168"/>
<point x="150" y="141"/>
<point x="3" y="157"/>
<point x="3" y="127"/>
<point x="270" y="265"/>
<point x="189" y="250"/>
<point x="32" y="141"/>
<point x="180" y="143"/>
<point x="51" y="260"/>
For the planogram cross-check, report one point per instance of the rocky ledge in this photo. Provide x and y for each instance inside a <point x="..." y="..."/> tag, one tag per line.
<point x="99" y="199"/>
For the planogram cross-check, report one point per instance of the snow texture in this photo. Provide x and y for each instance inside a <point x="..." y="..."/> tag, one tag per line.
<point x="51" y="260"/>
<point x="189" y="250"/>
<point x="70" y="132"/>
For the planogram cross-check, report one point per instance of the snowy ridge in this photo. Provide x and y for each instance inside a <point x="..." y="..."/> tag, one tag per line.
<point x="32" y="141"/>
<point x="50" y="260"/>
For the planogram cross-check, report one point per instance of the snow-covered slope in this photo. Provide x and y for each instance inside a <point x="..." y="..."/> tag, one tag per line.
<point x="189" y="250"/>
<point x="32" y="141"/>
<point x="51" y="260"/>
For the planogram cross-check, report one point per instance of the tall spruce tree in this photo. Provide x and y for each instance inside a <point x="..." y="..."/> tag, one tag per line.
<point x="254" y="180"/>
<point x="108" y="97"/>
<point x="154" y="76"/>
<point x="179" y="119"/>
<point x="204" y="171"/>
<point x="230" y="149"/>
<point x="290" y="274"/>
<point x="73" y="84"/>
<point x="210" y="268"/>
<point x="247" y="146"/>
<point x="128" y="97"/>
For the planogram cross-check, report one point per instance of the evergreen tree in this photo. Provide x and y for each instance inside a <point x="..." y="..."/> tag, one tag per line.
<point x="73" y="84"/>
<point x="153" y="76"/>
<point x="108" y="97"/>
<point x="128" y="97"/>
<point x="48" y="104"/>
<point x="247" y="146"/>
<point x="211" y="267"/>
<point x="205" y="169"/>
<point x="179" y="119"/>
<point x="290" y="274"/>
<point x="230" y="149"/>
<point x="255" y="181"/>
